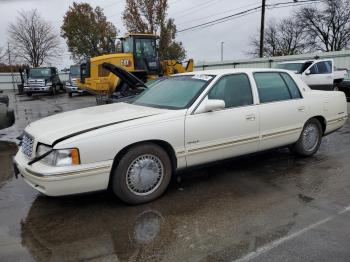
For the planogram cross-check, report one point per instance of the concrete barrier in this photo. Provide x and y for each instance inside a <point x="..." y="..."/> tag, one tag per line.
<point x="341" y="60"/>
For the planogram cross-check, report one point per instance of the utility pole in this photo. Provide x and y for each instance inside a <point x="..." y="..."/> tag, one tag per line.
<point x="262" y="28"/>
<point x="10" y="64"/>
<point x="222" y="51"/>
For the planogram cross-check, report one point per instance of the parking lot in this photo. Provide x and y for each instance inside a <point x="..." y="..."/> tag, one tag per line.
<point x="270" y="206"/>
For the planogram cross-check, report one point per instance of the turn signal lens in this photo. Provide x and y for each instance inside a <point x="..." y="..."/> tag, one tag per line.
<point x="75" y="156"/>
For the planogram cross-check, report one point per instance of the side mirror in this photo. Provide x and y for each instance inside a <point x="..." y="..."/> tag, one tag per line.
<point x="209" y="105"/>
<point x="307" y="72"/>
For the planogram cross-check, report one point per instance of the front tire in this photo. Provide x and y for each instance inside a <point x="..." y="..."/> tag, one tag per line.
<point x="309" y="140"/>
<point x="53" y="91"/>
<point x="142" y="174"/>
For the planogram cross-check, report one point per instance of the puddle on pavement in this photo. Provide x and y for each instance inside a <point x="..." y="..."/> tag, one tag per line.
<point x="219" y="212"/>
<point x="207" y="219"/>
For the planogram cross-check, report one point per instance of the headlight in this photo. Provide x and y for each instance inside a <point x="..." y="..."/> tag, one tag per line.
<point x="59" y="157"/>
<point x="49" y="83"/>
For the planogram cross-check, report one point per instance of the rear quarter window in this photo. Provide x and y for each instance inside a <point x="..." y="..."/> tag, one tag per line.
<point x="292" y="86"/>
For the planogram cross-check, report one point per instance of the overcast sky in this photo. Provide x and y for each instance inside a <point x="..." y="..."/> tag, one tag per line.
<point x="202" y="45"/>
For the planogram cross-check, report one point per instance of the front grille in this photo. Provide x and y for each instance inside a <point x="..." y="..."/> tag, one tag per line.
<point x="27" y="145"/>
<point x="36" y="83"/>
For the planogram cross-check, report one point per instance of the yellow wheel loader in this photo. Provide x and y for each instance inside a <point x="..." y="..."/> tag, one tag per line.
<point x="139" y="56"/>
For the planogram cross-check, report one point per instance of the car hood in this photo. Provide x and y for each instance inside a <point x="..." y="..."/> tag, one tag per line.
<point x="53" y="128"/>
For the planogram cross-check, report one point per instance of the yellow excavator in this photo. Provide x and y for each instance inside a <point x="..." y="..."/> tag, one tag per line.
<point x="139" y="56"/>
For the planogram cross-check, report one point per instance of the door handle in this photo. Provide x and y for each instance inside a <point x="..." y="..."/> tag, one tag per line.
<point x="250" y="117"/>
<point x="301" y="109"/>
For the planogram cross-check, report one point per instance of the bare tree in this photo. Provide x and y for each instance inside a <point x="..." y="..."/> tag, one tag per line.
<point x="33" y="39"/>
<point x="282" y="38"/>
<point x="2" y="55"/>
<point x="327" y="29"/>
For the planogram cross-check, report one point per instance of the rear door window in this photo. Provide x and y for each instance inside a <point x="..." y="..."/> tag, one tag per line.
<point x="271" y="87"/>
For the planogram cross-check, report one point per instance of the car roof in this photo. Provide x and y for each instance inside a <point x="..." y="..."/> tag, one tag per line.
<point x="217" y="72"/>
<point x="296" y="61"/>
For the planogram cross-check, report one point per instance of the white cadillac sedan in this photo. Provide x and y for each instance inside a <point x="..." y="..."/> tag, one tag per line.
<point x="184" y="120"/>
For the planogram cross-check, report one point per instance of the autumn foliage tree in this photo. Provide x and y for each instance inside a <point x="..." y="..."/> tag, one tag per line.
<point x="87" y="31"/>
<point x="150" y="16"/>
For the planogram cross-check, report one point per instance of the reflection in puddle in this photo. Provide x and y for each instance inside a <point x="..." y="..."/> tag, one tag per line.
<point x="82" y="228"/>
<point x="7" y="151"/>
<point x="147" y="227"/>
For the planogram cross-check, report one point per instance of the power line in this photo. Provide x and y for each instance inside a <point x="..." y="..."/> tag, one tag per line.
<point x="216" y="14"/>
<point x="175" y="2"/>
<point x="196" y="8"/>
<point x="112" y="4"/>
<point x="236" y="17"/>
<point x="220" y="19"/>
<point x="243" y="13"/>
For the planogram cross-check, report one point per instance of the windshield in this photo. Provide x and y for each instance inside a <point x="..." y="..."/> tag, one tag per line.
<point x="145" y="47"/>
<point x="153" y="82"/>
<point x="74" y="71"/>
<point x="39" y="72"/>
<point x="347" y="77"/>
<point x="295" y="67"/>
<point x="175" y="92"/>
<point x="127" y="45"/>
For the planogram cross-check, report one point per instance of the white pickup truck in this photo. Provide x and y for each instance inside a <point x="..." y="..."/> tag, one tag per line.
<point x="317" y="74"/>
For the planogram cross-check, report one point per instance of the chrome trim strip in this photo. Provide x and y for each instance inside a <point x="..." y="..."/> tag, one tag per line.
<point x="180" y="153"/>
<point x="223" y="145"/>
<point x="339" y="119"/>
<point x="281" y="133"/>
<point x="79" y="172"/>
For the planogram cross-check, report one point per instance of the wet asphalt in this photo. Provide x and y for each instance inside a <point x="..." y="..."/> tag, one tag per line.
<point x="270" y="206"/>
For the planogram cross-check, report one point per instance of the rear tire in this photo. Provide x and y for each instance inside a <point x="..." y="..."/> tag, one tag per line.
<point x="309" y="140"/>
<point x="29" y="94"/>
<point x="142" y="174"/>
<point x="70" y="94"/>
